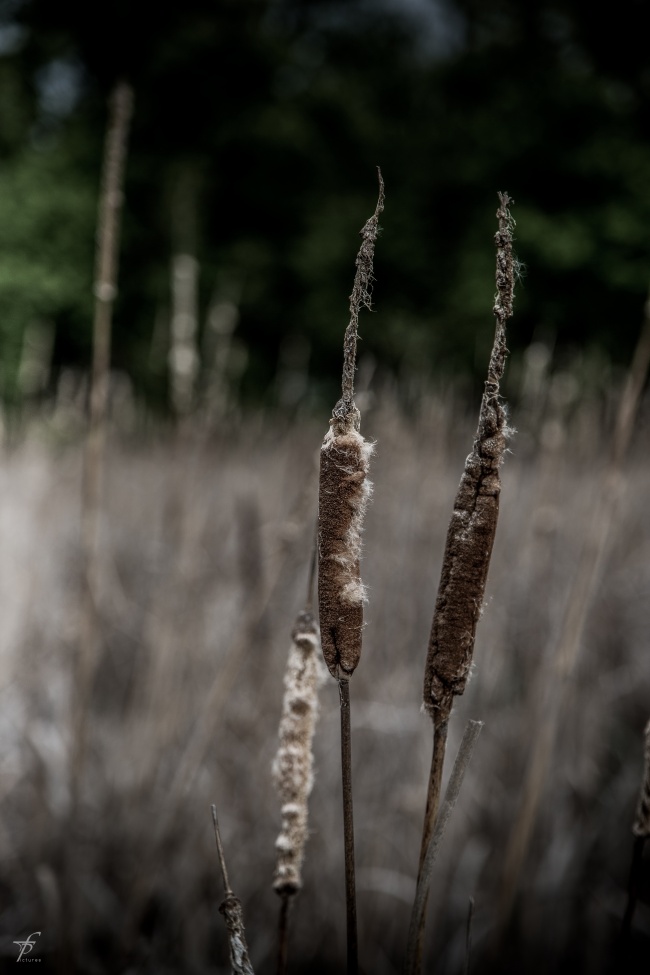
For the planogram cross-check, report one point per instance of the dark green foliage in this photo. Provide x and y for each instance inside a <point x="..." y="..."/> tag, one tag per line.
<point x="282" y="111"/>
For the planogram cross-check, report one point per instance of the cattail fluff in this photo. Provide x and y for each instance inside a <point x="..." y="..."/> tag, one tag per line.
<point x="641" y="825"/>
<point x="293" y="765"/>
<point x="474" y="520"/>
<point x="344" y="489"/>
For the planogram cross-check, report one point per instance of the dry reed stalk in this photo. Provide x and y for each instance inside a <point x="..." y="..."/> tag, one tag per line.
<point x="470" y="737"/>
<point x="567" y="647"/>
<point x="293" y="765"/>
<point x="231" y="909"/>
<point x="470" y="538"/>
<point x="641" y="830"/>
<point x="105" y="290"/>
<point x="344" y="490"/>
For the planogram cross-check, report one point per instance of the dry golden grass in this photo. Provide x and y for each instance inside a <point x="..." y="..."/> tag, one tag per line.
<point x="174" y="602"/>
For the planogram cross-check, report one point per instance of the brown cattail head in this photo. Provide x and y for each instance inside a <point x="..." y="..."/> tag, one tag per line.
<point x="293" y="765"/>
<point x="343" y="496"/>
<point x="344" y="489"/>
<point x="641" y="825"/>
<point x="474" y="520"/>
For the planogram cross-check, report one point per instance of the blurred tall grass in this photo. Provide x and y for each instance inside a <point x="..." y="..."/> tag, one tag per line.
<point x="204" y="535"/>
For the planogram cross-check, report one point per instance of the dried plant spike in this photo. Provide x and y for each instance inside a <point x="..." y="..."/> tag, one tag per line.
<point x="293" y="765"/>
<point x="231" y="909"/>
<point x="343" y="495"/>
<point x="344" y="489"/>
<point x="473" y="523"/>
<point x="220" y="853"/>
<point x="641" y="825"/>
<point x="361" y="297"/>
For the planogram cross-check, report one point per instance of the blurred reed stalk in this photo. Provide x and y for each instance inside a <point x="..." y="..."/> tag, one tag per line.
<point x="556" y="684"/>
<point x="105" y="291"/>
<point x="468" y="549"/>
<point x="293" y="765"/>
<point x="183" y="354"/>
<point x="344" y="490"/>
<point x="231" y="909"/>
<point x="233" y="660"/>
<point x="641" y="831"/>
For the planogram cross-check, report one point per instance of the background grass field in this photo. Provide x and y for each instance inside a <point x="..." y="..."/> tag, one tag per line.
<point x="205" y="544"/>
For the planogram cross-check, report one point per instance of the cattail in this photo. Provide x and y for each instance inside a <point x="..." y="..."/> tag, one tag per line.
<point x="641" y="825"/>
<point x="293" y="765"/>
<point x="345" y="489"/>
<point x="343" y="494"/>
<point x="466" y="559"/>
<point x="232" y="912"/>
<point x="474" y="520"/>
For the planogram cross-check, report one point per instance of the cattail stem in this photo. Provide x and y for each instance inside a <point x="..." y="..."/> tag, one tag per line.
<point x="633" y="885"/>
<point x="641" y="830"/>
<point x="467" y="745"/>
<point x="220" y="853"/>
<point x="348" y="828"/>
<point x="283" y="933"/>
<point x="105" y="290"/>
<point x="440" y="729"/>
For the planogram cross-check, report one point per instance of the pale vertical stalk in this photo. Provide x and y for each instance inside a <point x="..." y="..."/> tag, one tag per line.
<point x="183" y="357"/>
<point x="344" y="490"/>
<point x="567" y="648"/>
<point x="468" y="550"/>
<point x="183" y="353"/>
<point x="105" y="290"/>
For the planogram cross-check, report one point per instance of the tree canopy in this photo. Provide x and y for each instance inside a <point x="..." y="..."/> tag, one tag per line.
<point x="257" y="128"/>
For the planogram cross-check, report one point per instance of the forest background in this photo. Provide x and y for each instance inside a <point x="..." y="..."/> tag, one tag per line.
<point x="256" y="131"/>
<point x="146" y="619"/>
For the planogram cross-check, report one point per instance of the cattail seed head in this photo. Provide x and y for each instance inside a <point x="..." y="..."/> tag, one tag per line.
<point x="472" y="528"/>
<point x="641" y="825"/>
<point x="293" y="765"/>
<point x="344" y="489"/>
<point x="343" y="496"/>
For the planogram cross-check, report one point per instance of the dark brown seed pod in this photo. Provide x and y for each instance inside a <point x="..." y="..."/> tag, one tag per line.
<point x="343" y="494"/>
<point x="472" y="528"/>
<point x="344" y="488"/>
